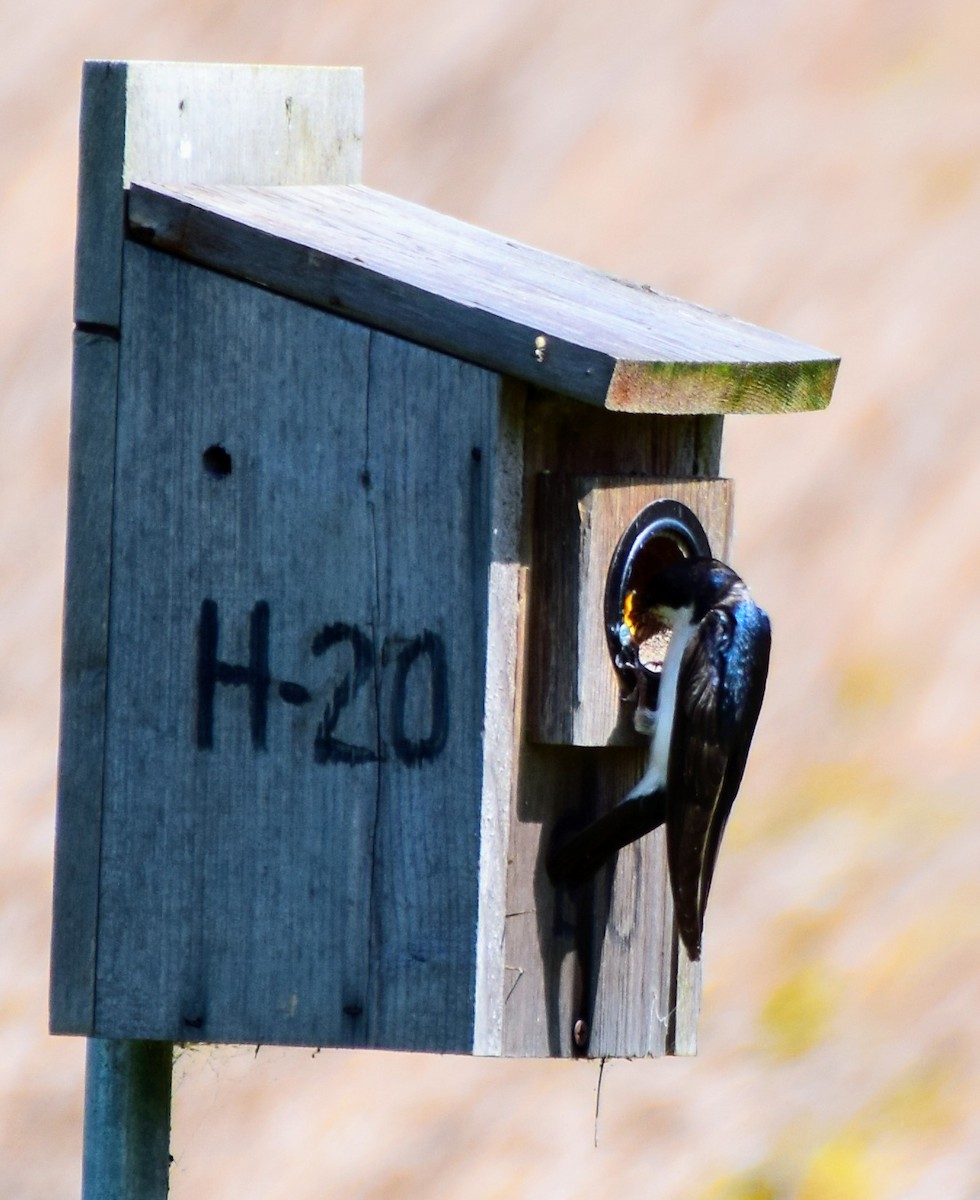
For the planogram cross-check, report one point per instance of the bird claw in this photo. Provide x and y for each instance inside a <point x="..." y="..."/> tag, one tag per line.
<point x="644" y="716"/>
<point x="645" y="720"/>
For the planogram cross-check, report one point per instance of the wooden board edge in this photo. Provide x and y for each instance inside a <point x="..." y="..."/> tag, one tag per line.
<point x="723" y="388"/>
<point x="356" y="292"/>
<point x="100" y="221"/>
<point x="683" y="1041"/>
<point x="261" y="229"/>
<point x="84" y="681"/>
<point x="158" y="120"/>
<point x="239" y="123"/>
<point x="502" y="716"/>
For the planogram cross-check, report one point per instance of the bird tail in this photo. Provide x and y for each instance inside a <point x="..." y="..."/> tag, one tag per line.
<point x="582" y="855"/>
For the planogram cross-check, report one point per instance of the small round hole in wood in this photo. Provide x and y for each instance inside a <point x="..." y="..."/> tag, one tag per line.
<point x="664" y="532"/>
<point x="656" y="553"/>
<point x="217" y="461"/>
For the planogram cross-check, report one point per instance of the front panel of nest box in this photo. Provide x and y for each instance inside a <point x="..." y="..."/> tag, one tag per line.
<point x="575" y="695"/>
<point x="290" y="830"/>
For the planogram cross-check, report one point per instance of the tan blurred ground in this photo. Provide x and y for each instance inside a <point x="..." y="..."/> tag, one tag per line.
<point x="811" y="167"/>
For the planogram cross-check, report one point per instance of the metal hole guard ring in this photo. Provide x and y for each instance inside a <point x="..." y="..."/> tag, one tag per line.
<point x="667" y="521"/>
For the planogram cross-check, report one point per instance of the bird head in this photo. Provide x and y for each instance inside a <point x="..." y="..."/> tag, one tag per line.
<point x="691" y="585"/>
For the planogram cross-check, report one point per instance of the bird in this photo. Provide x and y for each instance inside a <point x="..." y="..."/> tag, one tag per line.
<point x="710" y="693"/>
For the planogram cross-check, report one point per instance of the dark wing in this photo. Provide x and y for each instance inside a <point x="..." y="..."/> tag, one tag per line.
<point x="719" y="694"/>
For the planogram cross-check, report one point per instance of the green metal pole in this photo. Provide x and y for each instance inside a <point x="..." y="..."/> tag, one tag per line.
<point x="126" y="1154"/>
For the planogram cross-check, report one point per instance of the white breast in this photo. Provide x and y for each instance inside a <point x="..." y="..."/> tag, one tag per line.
<point x="655" y="777"/>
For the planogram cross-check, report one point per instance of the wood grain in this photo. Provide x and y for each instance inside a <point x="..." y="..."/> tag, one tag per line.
<point x="511" y="308"/>
<point x="504" y="716"/>
<point x="83" y="682"/>
<point x="605" y="954"/>
<point x="100" y="221"/>
<point x="187" y="944"/>
<point x="235" y="123"/>
<point x="251" y="888"/>
<point x="167" y="121"/>
<point x="432" y="422"/>
<point x="200" y="123"/>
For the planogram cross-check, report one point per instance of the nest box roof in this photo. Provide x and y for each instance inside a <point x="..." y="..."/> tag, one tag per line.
<point x="484" y="298"/>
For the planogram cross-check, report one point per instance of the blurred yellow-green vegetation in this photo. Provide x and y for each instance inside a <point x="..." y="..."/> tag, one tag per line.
<point x="880" y="1152"/>
<point x="812" y="168"/>
<point x="799" y="1011"/>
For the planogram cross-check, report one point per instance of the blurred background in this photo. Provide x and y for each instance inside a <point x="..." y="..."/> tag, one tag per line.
<point x="812" y="168"/>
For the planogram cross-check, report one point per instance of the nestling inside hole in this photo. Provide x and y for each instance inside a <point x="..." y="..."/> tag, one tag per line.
<point x="650" y="636"/>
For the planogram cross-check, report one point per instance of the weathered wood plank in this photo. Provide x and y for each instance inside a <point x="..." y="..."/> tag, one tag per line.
<point x="236" y="123"/>
<point x="503" y="716"/>
<point x="685" y="1002"/>
<point x="239" y="822"/>
<point x="566" y="439"/>
<point x="511" y="308"/>
<point x="101" y="201"/>
<point x="432" y="424"/>
<point x="353" y="290"/>
<point x="170" y="121"/>
<point x="606" y="954"/>
<point x="294" y="759"/>
<point x="556" y="943"/>
<point x="633" y="1011"/>
<point x="206" y="123"/>
<point x="83" y="687"/>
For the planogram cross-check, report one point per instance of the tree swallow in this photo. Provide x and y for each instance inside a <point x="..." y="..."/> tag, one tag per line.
<point x="710" y="693"/>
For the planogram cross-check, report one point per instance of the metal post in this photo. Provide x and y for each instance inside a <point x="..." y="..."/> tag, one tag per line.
<point x="126" y="1152"/>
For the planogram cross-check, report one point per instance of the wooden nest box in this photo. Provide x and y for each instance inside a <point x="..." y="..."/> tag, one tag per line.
<point x="346" y="477"/>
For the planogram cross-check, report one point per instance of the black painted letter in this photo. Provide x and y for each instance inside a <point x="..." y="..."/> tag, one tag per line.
<point x="211" y="671"/>
<point x="412" y="751"/>
<point x="326" y="747"/>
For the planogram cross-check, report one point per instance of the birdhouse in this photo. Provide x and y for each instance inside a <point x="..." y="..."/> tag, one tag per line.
<point x="347" y="478"/>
